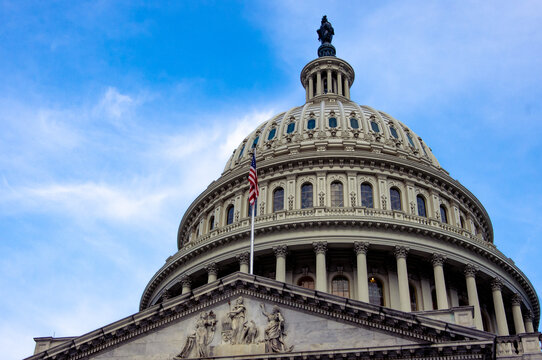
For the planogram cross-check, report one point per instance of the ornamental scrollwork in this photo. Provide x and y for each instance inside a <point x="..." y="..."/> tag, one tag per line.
<point x="361" y="247"/>
<point x="401" y="252"/>
<point x="438" y="259"/>
<point x="321" y="198"/>
<point x="320" y="247"/>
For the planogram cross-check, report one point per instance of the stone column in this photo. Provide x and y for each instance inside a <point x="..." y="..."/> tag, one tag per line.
<point x="528" y="318"/>
<point x="244" y="260"/>
<point x="280" y="270"/>
<point x="311" y="87"/>
<point x="212" y="272"/>
<point x="502" y="325"/>
<point x="186" y="283"/>
<point x="319" y="83"/>
<point x="440" y="285"/>
<point x="346" y="88"/>
<point x="320" y="249"/>
<point x="339" y="83"/>
<point x="472" y="293"/>
<point x="361" y="256"/>
<point x="329" y="82"/>
<point x="516" y="313"/>
<point x="401" y="253"/>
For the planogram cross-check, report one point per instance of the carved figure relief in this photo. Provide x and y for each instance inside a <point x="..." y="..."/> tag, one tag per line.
<point x="201" y="338"/>
<point x="235" y="329"/>
<point x="274" y="332"/>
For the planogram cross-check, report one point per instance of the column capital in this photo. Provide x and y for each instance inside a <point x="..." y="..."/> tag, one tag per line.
<point x="320" y="247"/>
<point x="166" y="295"/>
<point x="361" y="247"/>
<point x="186" y="280"/>
<point x="243" y="258"/>
<point x="516" y="299"/>
<point x="438" y="259"/>
<point x="470" y="270"/>
<point x="212" y="268"/>
<point x="280" y="251"/>
<point x="401" y="252"/>
<point x="496" y="284"/>
<point x="528" y="315"/>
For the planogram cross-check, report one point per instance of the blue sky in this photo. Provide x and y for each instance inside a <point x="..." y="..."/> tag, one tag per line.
<point x="116" y="115"/>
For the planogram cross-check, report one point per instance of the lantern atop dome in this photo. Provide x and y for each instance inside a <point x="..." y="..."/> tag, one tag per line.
<point x="325" y="35"/>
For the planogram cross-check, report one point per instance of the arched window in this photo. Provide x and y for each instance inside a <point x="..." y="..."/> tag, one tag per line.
<point x="211" y="223"/>
<point x="413" y="298"/>
<point x="395" y="199"/>
<point x="410" y="140"/>
<point x="443" y="214"/>
<point x="255" y="142"/>
<point x="332" y="122"/>
<point x="421" y="206"/>
<point x="337" y="199"/>
<point x="278" y="199"/>
<point x="230" y="212"/>
<point x="376" y="293"/>
<point x="394" y="132"/>
<point x="307" y="282"/>
<point x="306" y="196"/>
<point x="367" y="195"/>
<point x="311" y="124"/>
<point x="340" y="286"/>
<point x="354" y="123"/>
<point x="272" y="134"/>
<point x="241" y="152"/>
<point x="375" y="126"/>
<point x="291" y="127"/>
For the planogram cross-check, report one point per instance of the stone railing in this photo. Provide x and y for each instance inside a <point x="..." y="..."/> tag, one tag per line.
<point x="347" y="213"/>
<point x="516" y="346"/>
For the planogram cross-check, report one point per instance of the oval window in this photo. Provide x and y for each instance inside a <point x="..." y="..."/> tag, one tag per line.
<point x="375" y="127"/>
<point x="332" y="122"/>
<point x="394" y="132"/>
<point x="290" y="129"/>
<point x="272" y="134"/>
<point x="354" y="124"/>
<point x="311" y="124"/>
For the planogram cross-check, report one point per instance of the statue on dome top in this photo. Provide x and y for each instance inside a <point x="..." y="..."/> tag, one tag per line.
<point x="325" y="33"/>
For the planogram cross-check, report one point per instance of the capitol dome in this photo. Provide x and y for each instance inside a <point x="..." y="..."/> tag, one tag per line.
<point x="353" y="203"/>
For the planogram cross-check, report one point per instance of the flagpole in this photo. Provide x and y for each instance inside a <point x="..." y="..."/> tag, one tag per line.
<point x="252" y="240"/>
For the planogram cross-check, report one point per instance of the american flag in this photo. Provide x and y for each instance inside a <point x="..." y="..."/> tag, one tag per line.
<point x="253" y="181"/>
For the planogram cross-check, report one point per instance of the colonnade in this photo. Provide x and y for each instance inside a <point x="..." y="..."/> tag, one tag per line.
<point x="334" y="83"/>
<point x="522" y="322"/>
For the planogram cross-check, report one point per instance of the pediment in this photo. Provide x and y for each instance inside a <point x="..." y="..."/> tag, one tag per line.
<point x="254" y="317"/>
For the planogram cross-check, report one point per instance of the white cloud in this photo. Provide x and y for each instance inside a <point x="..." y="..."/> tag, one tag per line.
<point x="114" y="104"/>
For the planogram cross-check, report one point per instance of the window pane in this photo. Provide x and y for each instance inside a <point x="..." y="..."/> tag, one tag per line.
<point x="311" y="124"/>
<point x="443" y="215"/>
<point x="413" y="298"/>
<point x="366" y="195"/>
<point x="212" y="223"/>
<point x="375" y="292"/>
<point x="229" y="220"/>
<point x="290" y="128"/>
<point x="306" y="282"/>
<point x="306" y="196"/>
<point x="375" y="127"/>
<point x="395" y="199"/>
<point x="354" y="123"/>
<point x="394" y="132"/>
<point x="241" y="152"/>
<point x="421" y="206"/>
<point x="410" y="140"/>
<point x="340" y="286"/>
<point x="337" y="194"/>
<point x="278" y="199"/>
<point x="255" y="142"/>
<point x="272" y="134"/>
<point x="332" y="122"/>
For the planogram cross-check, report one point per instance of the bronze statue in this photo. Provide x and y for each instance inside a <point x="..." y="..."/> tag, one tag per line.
<point x="325" y="33"/>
